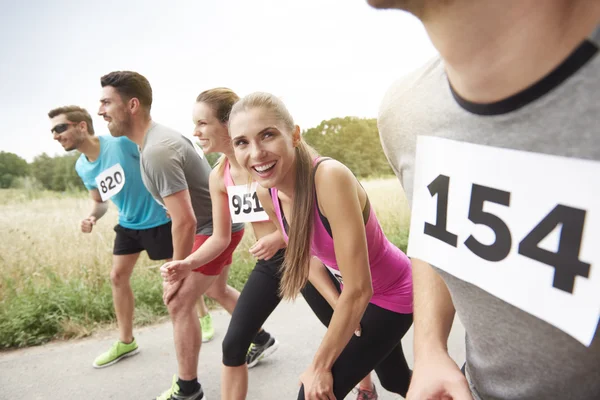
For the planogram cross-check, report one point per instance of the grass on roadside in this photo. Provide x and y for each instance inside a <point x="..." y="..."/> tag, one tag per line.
<point x="54" y="280"/>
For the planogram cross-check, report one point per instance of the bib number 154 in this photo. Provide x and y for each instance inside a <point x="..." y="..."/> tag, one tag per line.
<point x="522" y="226"/>
<point x="565" y="260"/>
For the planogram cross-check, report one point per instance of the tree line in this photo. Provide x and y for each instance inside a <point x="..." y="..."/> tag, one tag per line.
<point x="352" y="141"/>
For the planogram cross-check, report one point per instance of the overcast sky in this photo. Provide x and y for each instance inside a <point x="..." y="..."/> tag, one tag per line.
<point x="325" y="58"/>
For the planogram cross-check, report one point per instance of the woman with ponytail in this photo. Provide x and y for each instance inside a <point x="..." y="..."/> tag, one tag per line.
<point x="321" y="210"/>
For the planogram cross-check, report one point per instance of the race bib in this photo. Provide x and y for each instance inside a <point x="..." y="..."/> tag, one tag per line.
<point x="522" y="226"/>
<point x="244" y="205"/>
<point x="110" y="181"/>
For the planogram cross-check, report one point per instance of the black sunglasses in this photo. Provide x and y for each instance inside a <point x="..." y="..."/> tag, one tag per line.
<point x="60" y="128"/>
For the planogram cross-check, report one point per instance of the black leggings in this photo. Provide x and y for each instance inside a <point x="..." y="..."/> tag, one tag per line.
<point x="257" y="301"/>
<point x="378" y="347"/>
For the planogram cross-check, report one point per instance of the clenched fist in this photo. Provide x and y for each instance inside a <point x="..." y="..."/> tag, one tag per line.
<point x="87" y="224"/>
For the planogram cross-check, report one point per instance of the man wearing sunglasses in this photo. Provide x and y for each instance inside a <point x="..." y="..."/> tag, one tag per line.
<point x="110" y="169"/>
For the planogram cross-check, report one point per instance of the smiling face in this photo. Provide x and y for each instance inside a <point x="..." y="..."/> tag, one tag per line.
<point x="115" y="111"/>
<point x="263" y="145"/>
<point x="211" y="133"/>
<point x="69" y="134"/>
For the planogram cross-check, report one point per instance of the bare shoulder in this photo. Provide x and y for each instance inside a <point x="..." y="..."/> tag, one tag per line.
<point x="332" y="173"/>
<point x="217" y="180"/>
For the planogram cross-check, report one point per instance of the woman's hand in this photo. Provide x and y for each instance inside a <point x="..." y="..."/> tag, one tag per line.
<point x="318" y="384"/>
<point x="267" y="246"/>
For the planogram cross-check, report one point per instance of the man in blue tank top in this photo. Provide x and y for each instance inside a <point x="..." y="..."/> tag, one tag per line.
<point x="110" y="169"/>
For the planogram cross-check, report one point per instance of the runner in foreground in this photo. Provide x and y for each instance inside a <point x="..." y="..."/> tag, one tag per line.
<point x="479" y="138"/>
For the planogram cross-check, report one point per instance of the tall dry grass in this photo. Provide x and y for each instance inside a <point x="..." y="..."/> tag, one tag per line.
<point x="54" y="280"/>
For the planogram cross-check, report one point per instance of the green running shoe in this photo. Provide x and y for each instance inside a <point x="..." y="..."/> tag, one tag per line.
<point x="173" y="393"/>
<point x="208" y="331"/>
<point x="116" y="353"/>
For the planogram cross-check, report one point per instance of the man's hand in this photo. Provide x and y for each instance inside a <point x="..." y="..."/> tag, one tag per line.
<point x="87" y="224"/>
<point x="170" y="290"/>
<point x="176" y="271"/>
<point x="437" y="377"/>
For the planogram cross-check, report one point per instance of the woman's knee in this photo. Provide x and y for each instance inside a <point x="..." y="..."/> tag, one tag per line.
<point x="235" y="348"/>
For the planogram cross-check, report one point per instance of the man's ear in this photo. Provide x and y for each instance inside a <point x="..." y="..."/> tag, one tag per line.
<point x="134" y="105"/>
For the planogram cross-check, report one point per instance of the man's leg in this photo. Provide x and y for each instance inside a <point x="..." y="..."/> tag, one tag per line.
<point x="123" y="299"/>
<point x="124" y="304"/>
<point x="186" y="327"/>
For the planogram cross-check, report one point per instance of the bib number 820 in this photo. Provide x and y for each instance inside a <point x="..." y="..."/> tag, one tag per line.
<point x="565" y="260"/>
<point x="111" y="182"/>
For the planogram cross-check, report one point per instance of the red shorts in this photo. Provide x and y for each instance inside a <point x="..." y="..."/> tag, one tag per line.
<point x="215" y="266"/>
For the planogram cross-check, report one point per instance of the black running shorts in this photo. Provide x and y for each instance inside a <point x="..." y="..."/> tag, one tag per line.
<point x="157" y="241"/>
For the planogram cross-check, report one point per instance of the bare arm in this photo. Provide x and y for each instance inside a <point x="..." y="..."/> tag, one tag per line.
<point x="99" y="208"/>
<point x="183" y="229"/>
<point x="221" y="236"/>
<point x="433" y="311"/>
<point x="319" y="278"/>
<point x="339" y="201"/>
<point x="435" y="376"/>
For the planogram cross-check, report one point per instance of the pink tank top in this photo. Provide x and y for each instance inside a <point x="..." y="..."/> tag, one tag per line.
<point x="227" y="174"/>
<point x="391" y="272"/>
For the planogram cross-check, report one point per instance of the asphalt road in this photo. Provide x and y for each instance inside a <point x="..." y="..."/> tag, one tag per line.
<point x="64" y="370"/>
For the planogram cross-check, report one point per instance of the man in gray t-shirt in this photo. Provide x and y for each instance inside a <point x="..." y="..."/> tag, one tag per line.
<point x="178" y="178"/>
<point x="496" y="144"/>
<point x="171" y="164"/>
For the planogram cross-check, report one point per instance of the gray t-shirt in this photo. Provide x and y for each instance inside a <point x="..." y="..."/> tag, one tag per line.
<point x="170" y="164"/>
<point x="510" y="353"/>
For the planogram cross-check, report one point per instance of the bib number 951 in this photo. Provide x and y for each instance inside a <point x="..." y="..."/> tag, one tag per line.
<point x="244" y="205"/>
